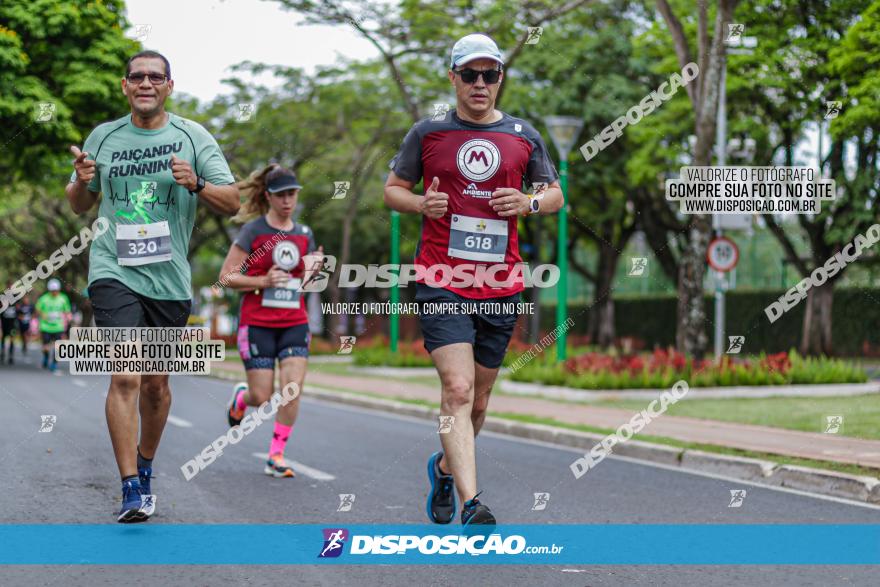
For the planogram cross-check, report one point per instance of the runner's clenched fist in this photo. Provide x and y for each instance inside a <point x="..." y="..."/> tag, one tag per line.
<point x="183" y="173"/>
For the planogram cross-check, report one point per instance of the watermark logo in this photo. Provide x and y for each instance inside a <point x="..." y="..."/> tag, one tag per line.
<point x="823" y="273"/>
<point x="735" y="31"/>
<point x="320" y="269"/>
<point x="639" y="264"/>
<point x="340" y="189"/>
<point x="832" y="109"/>
<point x="255" y="256"/>
<point x="56" y="260"/>
<point x="44" y="112"/>
<point x="445" y="424"/>
<point x="626" y="431"/>
<point x="735" y="344"/>
<point x="440" y="111"/>
<point x="462" y="275"/>
<point x="833" y="425"/>
<point x="737" y="497"/>
<point x="234" y="435"/>
<point x="534" y="35"/>
<point x="346" y="501"/>
<point x="539" y="187"/>
<point x="539" y="346"/>
<point x="541" y="501"/>
<point x="334" y="540"/>
<point x="246" y="112"/>
<point x="346" y="345"/>
<point x="141" y="32"/>
<point x="47" y="422"/>
<point x="634" y="115"/>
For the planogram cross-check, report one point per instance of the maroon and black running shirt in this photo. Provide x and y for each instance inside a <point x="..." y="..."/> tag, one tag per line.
<point x="274" y="307"/>
<point x="472" y="161"/>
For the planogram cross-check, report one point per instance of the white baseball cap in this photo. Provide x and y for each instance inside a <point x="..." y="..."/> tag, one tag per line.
<point x="54" y="285"/>
<point x="474" y="46"/>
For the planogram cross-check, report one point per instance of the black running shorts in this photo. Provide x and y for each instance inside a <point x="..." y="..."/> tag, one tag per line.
<point x="488" y="331"/>
<point x="259" y="346"/>
<point x="115" y="304"/>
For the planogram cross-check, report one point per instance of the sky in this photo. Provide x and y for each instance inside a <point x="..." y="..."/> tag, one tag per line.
<point x="203" y="38"/>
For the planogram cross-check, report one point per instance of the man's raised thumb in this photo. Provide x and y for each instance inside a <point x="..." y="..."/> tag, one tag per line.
<point x="435" y="184"/>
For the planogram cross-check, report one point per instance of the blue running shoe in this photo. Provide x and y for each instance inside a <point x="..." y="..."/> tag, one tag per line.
<point x="441" y="498"/>
<point x="132" y="504"/>
<point x="475" y="513"/>
<point x="144" y="476"/>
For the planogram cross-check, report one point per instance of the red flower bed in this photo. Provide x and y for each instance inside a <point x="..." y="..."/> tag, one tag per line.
<point x="664" y="360"/>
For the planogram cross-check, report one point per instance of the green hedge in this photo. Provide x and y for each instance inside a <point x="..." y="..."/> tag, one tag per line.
<point x="856" y="316"/>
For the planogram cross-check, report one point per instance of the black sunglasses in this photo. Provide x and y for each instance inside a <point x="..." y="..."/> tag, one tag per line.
<point x="469" y="76"/>
<point x="157" y="79"/>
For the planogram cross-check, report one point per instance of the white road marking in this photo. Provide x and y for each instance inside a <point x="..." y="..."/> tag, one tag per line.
<point x="301" y="468"/>
<point x="79" y="383"/>
<point x="180" y="422"/>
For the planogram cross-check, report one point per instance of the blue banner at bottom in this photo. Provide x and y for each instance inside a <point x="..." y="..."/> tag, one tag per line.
<point x="613" y="544"/>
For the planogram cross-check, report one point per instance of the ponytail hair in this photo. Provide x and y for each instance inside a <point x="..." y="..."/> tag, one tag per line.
<point x="254" y="191"/>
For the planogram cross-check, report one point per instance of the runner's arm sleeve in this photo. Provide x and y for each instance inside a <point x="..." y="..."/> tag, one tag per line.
<point x="540" y="168"/>
<point x="407" y="164"/>
<point x="245" y="237"/>
<point x="210" y="161"/>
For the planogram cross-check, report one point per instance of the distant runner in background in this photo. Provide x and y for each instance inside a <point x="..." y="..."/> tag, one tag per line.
<point x="53" y="312"/>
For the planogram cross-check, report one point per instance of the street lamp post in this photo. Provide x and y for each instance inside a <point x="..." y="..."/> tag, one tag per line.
<point x="564" y="131"/>
<point x="735" y="46"/>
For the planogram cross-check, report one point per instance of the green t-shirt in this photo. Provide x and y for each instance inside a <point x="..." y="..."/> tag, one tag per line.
<point x="52" y="309"/>
<point x="137" y="187"/>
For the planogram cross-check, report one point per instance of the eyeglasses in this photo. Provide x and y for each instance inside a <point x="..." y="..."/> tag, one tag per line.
<point x="157" y="79"/>
<point x="469" y="76"/>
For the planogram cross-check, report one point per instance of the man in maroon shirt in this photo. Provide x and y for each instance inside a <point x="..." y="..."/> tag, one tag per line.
<point x="477" y="160"/>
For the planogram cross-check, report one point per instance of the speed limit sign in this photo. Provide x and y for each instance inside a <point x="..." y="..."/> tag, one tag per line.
<point x="722" y="254"/>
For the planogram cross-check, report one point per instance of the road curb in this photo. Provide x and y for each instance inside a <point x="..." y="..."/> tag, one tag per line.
<point x="696" y="393"/>
<point x="819" y="481"/>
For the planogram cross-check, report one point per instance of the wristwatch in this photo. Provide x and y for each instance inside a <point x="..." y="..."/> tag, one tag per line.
<point x="535" y="203"/>
<point x="200" y="184"/>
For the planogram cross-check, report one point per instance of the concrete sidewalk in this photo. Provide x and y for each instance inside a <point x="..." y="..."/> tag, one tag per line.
<point x="821" y="447"/>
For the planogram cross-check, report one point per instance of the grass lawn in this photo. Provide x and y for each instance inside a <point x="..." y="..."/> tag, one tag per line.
<point x="861" y="413"/>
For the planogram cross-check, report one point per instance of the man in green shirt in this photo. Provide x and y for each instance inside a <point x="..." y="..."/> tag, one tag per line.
<point x="151" y="168"/>
<point x="53" y="313"/>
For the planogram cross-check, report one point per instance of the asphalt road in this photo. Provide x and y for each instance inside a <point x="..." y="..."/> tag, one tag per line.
<point x="68" y="475"/>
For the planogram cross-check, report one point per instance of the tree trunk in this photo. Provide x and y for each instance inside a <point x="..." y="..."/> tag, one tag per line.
<point x="601" y="328"/>
<point x="816" y="333"/>
<point x="690" y="336"/>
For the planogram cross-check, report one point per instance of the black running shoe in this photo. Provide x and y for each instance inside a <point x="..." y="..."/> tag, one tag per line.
<point x="475" y="513"/>
<point x="441" y="498"/>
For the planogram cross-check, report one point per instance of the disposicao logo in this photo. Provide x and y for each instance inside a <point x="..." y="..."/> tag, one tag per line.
<point x="334" y="541"/>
